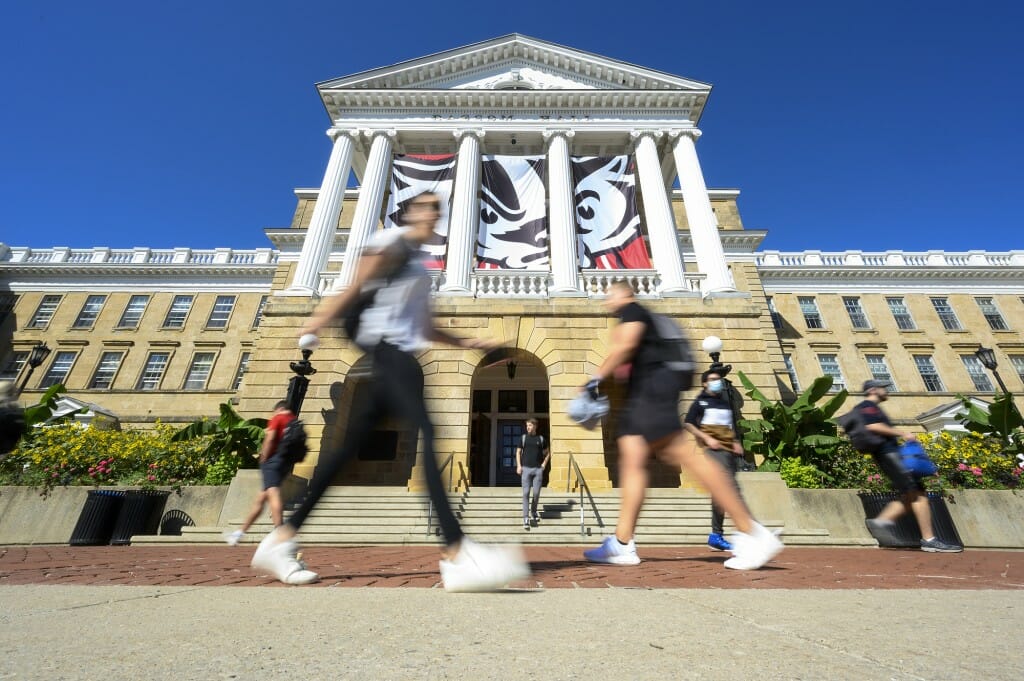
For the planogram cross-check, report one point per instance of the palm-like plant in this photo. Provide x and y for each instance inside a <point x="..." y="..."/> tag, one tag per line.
<point x="1002" y="421"/>
<point x="230" y="434"/>
<point x="802" y="429"/>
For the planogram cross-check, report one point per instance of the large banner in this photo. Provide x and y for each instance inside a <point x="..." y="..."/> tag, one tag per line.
<point x="513" y="230"/>
<point x="607" y="220"/>
<point x="412" y="175"/>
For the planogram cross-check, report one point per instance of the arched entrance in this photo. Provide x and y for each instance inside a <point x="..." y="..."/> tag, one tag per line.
<point x="508" y="388"/>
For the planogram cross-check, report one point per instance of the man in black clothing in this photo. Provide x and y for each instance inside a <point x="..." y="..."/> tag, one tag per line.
<point x="887" y="456"/>
<point x="531" y="459"/>
<point x="710" y="419"/>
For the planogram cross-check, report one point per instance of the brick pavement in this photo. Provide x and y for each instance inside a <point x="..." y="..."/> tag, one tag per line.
<point x="553" y="567"/>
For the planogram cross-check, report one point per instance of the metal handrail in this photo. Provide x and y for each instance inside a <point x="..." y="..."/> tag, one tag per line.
<point x="430" y="509"/>
<point x="581" y="483"/>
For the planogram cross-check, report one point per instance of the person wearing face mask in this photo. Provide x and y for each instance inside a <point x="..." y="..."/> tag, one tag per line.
<point x="710" y="419"/>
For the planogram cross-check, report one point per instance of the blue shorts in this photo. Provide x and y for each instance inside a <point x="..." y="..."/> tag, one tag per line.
<point x="274" y="471"/>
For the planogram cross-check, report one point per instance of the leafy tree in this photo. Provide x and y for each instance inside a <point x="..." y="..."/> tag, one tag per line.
<point x="1002" y="421"/>
<point x="231" y="436"/>
<point x="799" y="430"/>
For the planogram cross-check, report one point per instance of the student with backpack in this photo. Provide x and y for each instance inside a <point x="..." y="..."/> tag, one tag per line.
<point x="650" y="422"/>
<point x="276" y="464"/>
<point x="531" y="459"/>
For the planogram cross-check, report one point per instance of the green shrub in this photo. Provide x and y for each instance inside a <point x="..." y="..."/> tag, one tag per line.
<point x="798" y="474"/>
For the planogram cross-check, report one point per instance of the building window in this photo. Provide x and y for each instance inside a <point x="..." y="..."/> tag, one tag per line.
<point x="221" y="312"/>
<point x="792" y="372"/>
<point x="856" y="312"/>
<point x="7" y="302"/>
<point x="1018" y="364"/>
<point x="992" y="315"/>
<point x="90" y="311"/>
<point x="44" y="313"/>
<point x="812" y="317"/>
<point x="153" y="372"/>
<point x="879" y="370"/>
<point x="946" y="314"/>
<point x="178" y="313"/>
<point x="12" y="367"/>
<point x="103" y="378"/>
<point x="901" y="314"/>
<point x="59" y="369"/>
<point x="976" y="370"/>
<point x="929" y="374"/>
<point x="243" y="366"/>
<point x="199" y="371"/>
<point x="830" y="367"/>
<point x="259" y="312"/>
<point x="133" y="311"/>
<point x="776" y="317"/>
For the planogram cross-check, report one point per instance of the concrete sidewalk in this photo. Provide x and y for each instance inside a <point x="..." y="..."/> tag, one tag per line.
<point x="86" y="632"/>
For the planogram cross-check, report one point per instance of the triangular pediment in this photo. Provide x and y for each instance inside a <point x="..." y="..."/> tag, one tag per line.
<point x="514" y="62"/>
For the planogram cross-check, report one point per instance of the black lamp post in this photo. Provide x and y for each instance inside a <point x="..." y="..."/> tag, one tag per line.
<point x="303" y="369"/>
<point x="38" y="355"/>
<point x="988" y="358"/>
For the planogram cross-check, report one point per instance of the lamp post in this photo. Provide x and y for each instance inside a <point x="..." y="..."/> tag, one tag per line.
<point x="988" y="359"/>
<point x="38" y="355"/>
<point x="303" y="369"/>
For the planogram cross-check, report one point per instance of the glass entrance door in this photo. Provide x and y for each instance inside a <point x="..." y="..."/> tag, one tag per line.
<point x="510" y="436"/>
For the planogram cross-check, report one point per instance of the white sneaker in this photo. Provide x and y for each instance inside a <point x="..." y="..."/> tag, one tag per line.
<point x="232" y="538"/>
<point x="613" y="552"/>
<point x="483" y="568"/>
<point x="279" y="559"/>
<point x="753" y="550"/>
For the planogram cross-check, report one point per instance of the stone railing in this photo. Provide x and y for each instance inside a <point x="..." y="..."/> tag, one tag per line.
<point x="137" y="256"/>
<point x="767" y="259"/>
<point x="510" y="283"/>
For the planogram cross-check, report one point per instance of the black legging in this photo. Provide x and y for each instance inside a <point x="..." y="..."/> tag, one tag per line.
<point x="396" y="388"/>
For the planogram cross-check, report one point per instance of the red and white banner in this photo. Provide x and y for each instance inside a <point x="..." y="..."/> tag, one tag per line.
<point x="513" y="228"/>
<point x="607" y="220"/>
<point x="412" y="175"/>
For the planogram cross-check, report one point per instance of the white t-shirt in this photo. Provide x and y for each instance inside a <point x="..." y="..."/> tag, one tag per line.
<point x="401" y="313"/>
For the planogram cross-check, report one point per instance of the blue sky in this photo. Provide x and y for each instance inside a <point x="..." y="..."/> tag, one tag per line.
<point x="872" y="125"/>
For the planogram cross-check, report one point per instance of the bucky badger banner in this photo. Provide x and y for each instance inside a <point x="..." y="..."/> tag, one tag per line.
<point x="411" y="176"/>
<point x="607" y="221"/>
<point x="513" y="230"/>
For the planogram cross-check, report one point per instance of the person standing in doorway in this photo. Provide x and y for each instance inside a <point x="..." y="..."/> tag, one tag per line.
<point x="395" y="326"/>
<point x="710" y="420"/>
<point x="650" y="423"/>
<point x="531" y="459"/>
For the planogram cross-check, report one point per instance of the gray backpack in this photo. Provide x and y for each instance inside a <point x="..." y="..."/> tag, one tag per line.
<point x="675" y="348"/>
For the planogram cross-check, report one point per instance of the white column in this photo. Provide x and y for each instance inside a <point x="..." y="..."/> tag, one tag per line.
<point x="707" y="244"/>
<point x="371" y="197"/>
<point x="565" y="270"/>
<point x="661" y="226"/>
<point x="320" y="235"/>
<point x="465" y="214"/>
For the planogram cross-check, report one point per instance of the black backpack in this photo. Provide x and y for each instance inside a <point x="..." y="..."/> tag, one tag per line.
<point x="12" y="426"/>
<point x="352" y="317"/>
<point x="675" y="349"/>
<point x="292" y="445"/>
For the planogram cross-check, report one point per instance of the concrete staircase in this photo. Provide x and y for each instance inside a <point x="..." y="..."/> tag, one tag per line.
<point x="392" y="515"/>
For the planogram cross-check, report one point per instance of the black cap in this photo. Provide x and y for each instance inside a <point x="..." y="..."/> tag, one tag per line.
<point x="868" y="385"/>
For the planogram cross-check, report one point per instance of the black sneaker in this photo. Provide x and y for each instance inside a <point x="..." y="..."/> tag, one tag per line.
<point x="936" y="545"/>
<point x="884" y="531"/>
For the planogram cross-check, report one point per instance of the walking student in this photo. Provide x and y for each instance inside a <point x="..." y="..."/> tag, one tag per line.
<point x="650" y="423"/>
<point x="274" y="469"/>
<point x="395" y="326"/>
<point x="710" y="420"/>
<point x="531" y="459"/>
<point x="887" y="456"/>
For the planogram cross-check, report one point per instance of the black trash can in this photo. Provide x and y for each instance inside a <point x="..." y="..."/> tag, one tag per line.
<point x="140" y="514"/>
<point x="907" y="534"/>
<point x="96" y="522"/>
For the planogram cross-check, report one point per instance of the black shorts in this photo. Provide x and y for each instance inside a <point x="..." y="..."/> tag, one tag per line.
<point x="652" y="408"/>
<point x="891" y="464"/>
<point x="274" y="471"/>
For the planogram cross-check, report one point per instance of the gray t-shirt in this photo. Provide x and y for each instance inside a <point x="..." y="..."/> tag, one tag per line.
<point x="401" y="313"/>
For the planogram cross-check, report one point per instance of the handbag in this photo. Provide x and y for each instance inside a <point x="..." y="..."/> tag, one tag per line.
<point x="916" y="460"/>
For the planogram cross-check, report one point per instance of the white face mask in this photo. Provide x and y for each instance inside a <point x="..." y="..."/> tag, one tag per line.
<point x="715" y="386"/>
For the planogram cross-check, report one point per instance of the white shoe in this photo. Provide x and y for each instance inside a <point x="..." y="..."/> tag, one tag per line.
<point x="611" y="551"/>
<point x="279" y="559"/>
<point x="483" y="568"/>
<point x="232" y="538"/>
<point x="753" y="550"/>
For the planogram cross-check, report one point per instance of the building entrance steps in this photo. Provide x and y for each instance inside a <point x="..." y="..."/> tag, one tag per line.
<point x="393" y="515"/>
